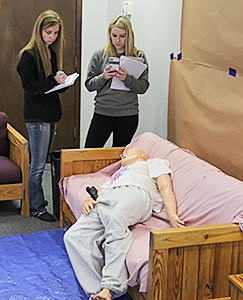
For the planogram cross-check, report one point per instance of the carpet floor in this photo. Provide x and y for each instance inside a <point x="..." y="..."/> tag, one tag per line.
<point x="11" y="221"/>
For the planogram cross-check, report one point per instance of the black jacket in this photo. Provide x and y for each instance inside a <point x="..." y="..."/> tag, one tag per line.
<point x="38" y="106"/>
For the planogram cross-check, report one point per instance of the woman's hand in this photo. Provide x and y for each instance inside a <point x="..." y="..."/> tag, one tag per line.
<point x="89" y="203"/>
<point x="109" y="72"/>
<point x="121" y="74"/>
<point x="60" y="77"/>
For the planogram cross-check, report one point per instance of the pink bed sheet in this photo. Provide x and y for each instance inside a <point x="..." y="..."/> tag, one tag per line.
<point x="204" y="194"/>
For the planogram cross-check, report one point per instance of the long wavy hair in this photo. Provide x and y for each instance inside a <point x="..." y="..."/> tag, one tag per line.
<point x="122" y="22"/>
<point x="46" y="19"/>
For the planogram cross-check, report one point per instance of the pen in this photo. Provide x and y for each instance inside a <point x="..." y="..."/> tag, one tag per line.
<point x="59" y="74"/>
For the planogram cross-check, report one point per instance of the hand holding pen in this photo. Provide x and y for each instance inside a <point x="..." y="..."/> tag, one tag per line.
<point x="60" y="77"/>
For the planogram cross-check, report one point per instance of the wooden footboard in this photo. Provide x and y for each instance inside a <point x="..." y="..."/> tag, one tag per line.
<point x="194" y="262"/>
<point x="190" y="263"/>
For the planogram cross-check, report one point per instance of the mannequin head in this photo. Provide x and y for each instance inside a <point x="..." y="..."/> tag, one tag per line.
<point x="133" y="155"/>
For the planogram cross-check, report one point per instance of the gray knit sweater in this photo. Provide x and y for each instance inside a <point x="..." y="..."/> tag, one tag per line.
<point x="109" y="102"/>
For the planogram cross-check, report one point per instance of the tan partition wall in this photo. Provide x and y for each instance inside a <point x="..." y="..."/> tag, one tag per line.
<point x="205" y="105"/>
<point x="205" y="115"/>
<point x="212" y="32"/>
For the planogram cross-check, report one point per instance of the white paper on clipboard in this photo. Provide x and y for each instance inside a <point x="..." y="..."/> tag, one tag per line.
<point x="133" y="67"/>
<point x="68" y="82"/>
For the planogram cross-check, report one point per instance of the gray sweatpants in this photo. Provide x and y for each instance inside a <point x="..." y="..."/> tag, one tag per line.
<point x="100" y="265"/>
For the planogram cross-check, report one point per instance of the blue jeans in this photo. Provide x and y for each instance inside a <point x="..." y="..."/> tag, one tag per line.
<point x="41" y="136"/>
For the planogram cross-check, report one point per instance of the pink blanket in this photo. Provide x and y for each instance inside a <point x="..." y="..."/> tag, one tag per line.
<point x="204" y="194"/>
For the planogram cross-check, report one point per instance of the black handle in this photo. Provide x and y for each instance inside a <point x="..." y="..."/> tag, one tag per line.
<point x="92" y="191"/>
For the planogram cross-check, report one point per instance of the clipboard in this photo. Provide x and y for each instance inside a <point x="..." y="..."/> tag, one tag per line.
<point x="133" y="67"/>
<point x="68" y="81"/>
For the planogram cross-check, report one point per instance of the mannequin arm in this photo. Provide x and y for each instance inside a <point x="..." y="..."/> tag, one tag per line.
<point x="165" y="188"/>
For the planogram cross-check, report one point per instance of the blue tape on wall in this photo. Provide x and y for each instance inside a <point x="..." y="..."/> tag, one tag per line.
<point x="232" y="72"/>
<point x="171" y="56"/>
<point x="179" y="56"/>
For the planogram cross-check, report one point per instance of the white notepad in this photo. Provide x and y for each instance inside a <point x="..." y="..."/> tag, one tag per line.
<point x="68" y="81"/>
<point x="133" y="67"/>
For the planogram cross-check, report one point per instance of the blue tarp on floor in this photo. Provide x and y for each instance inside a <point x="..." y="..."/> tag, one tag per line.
<point x="36" y="266"/>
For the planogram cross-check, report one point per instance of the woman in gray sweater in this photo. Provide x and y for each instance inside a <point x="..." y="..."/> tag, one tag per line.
<point x="116" y="111"/>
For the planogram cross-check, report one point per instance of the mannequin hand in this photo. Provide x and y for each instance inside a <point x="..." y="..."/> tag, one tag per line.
<point x="89" y="203"/>
<point x="60" y="77"/>
<point x="176" y="221"/>
<point x="122" y="74"/>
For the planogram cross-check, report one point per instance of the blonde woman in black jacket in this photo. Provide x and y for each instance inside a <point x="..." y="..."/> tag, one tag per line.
<point x="40" y="68"/>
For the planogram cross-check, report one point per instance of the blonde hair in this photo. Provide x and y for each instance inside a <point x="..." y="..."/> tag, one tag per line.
<point x="122" y="22"/>
<point x="46" y="19"/>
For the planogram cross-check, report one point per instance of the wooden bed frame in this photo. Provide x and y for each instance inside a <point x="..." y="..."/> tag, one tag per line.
<point x="190" y="263"/>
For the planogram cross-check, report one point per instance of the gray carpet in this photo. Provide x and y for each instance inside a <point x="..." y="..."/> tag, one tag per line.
<point x="11" y="221"/>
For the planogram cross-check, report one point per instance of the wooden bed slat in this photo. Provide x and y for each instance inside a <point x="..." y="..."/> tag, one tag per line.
<point x="190" y="270"/>
<point x="237" y="258"/>
<point x="196" y="235"/>
<point x="206" y="271"/>
<point x="157" y="283"/>
<point x="175" y="267"/>
<point x="69" y="155"/>
<point x="223" y="264"/>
